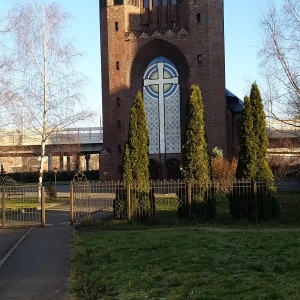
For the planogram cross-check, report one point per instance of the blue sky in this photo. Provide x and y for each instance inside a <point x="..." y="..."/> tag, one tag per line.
<point x="242" y="41"/>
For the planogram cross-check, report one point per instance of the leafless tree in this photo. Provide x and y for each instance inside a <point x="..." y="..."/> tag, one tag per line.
<point x="6" y="64"/>
<point x="280" y="58"/>
<point x="284" y="158"/>
<point x="280" y="62"/>
<point x="49" y="89"/>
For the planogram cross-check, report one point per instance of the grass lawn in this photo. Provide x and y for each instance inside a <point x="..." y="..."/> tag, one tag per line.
<point x="19" y="203"/>
<point x="187" y="263"/>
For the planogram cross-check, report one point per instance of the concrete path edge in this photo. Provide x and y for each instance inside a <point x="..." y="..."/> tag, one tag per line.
<point x="14" y="247"/>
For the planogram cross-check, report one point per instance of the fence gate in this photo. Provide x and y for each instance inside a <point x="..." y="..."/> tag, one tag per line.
<point x="91" y="200"/>
<point x="20" y="206"/>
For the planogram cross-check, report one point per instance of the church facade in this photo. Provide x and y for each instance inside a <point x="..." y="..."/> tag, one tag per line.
<point x="161" y="48"/>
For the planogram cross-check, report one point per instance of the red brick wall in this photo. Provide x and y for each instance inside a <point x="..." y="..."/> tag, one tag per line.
<point x="205" y="38"/>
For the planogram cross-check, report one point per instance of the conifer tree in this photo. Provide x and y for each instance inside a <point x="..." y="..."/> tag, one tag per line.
<point x="253" y="165"/>
<point x="247" y="162"/>
<point x="196" y="162"/>
<point x="195" y="156"/>
<point x="136" y="158"/>
<point x="253" y="140"/>
<point x="127" y="171"/>
<point x="263" y="171"/>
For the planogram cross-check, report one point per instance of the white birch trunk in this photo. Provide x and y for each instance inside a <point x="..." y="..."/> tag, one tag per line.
<point x="44" y="129"/>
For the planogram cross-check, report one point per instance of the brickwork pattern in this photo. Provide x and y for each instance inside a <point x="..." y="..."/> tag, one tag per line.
<point x="124" y="62"/>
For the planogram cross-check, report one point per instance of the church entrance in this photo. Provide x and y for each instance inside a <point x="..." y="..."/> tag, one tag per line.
<point x="162" y="104"/>
<point x="154" y="169"/>
<point x="173" y="169"/>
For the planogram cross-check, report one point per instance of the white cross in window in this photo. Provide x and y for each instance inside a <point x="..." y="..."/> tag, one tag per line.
<point x="161" y="81"/>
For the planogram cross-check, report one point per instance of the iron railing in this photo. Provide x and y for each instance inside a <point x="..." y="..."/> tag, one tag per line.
<point x="92" y="199"/>
<point x="20" y="206"/>
<point x="170" y="201"/>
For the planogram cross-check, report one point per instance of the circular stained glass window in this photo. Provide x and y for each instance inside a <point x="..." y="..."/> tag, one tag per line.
<point x="161" y="76"/>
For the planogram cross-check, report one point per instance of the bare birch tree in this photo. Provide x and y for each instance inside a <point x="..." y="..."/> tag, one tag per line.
<point x="6" y="65"/>
<point x="280" y="62"/>
<point x="48" y="87"/>
<point x="280" y="58"/>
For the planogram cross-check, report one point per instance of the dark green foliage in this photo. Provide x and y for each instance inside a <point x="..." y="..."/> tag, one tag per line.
<point x="195" y="156"/>
<point x="127" y="171"/>
<point x="142" y="204"/>
<point x="247" y="162"/>
<point x="253" y="163"/>
<point x="196" y="162"/>
<point x="253" y="140"/>
<point x="203" y="204"/>
<point x="120" y="205"/>
<point x="32" y="177"/>
<point x="136" y="166"/>
<point x="260" y="129"/>
<point x="136" y="154"/>
<point x="253" y="203"/>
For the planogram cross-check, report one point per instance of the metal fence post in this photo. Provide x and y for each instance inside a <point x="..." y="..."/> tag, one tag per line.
<point x="71" y="203"/>
<point x="128" y="203"/>
<point x="43" y="210"/>
<point x="255" y="208"/>
<point x="3" y="206"/>
<point x="189" y="201"/>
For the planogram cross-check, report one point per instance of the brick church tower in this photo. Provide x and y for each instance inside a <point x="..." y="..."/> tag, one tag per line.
<point x="160" y="47"/>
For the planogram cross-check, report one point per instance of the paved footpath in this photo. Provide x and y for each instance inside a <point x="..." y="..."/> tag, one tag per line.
<point x="39" y="267"/>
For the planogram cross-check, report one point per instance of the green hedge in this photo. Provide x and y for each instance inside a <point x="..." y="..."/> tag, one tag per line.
<point x="262" y="206"/>
<point x="203" y="203"/>
<point x="33" y="177"/>
<point x="142" y="204"/>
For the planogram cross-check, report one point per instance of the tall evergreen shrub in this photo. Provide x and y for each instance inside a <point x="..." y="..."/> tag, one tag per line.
<point x="195" y="156"/>
<point x="196" y="160"/>
<point x="263" y="171"/>
<point x="136" y="155"/>
<point x="253" y="164"/>
<point x="136" y="164"/>
<point x="248" y="144"/>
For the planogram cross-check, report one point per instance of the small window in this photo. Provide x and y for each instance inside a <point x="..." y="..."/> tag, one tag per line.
<point x="116" y="26"/>
<point x="118" y="65"/>
<point x="164" y="2"/>
<point x="154" y="3"/>
<point x="198" y="18"/>
<point x="174" y="24"/>
<point x="199" y="58"/>
<point x="173" y="2"/>
<point x="146" y="3"/>
<point x="119" y="101"/>
<point x="119" y="123"/>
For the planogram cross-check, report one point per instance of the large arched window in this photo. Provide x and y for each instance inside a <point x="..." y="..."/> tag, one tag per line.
<point x="162" y="103"/>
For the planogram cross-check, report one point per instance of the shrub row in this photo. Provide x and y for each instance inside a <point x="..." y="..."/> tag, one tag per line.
<point x="33" y="177"/>
<point x="244" y="203"/>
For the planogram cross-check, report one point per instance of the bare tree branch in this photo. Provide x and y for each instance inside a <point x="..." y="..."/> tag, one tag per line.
<point x="280" y="58"/>
<point x="49" y="89"/>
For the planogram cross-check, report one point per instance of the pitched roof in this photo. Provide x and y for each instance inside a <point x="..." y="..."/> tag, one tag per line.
<point x="233" y="102"/>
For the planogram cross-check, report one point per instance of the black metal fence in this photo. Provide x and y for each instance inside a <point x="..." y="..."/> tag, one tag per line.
<point x="176" y="201"/>
<point x="21" y="206"/>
